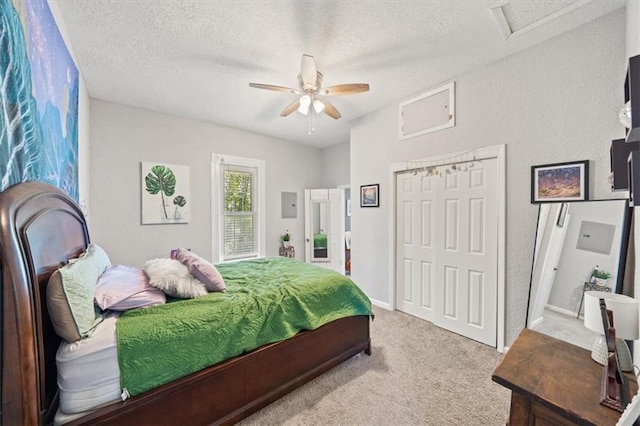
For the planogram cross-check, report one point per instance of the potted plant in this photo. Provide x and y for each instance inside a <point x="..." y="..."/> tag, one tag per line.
<point x="286" y="239"/>
<point x="179" y="201"/>
<point x="601" y="277"/>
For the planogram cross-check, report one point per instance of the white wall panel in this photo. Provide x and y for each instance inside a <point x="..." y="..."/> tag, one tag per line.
<point x="408" y="280"/>
<point x="452" y="181"/>
<point x="476" y="178"/>
<point x="452" y="224"/>
<point x="427" y="284"/>
<point x="477" y="234"/>
<point x="450" y="292"/>
<point x="476" y="290"/>
<point x="427" y="226"/>
<point x="408" y="222"/>
<point x="427" y="183"/>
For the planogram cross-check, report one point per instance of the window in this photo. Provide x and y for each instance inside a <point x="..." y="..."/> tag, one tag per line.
<point x="238" y="207"/>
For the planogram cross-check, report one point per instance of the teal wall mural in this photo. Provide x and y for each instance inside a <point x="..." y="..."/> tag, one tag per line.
<point x="38" y="99"/>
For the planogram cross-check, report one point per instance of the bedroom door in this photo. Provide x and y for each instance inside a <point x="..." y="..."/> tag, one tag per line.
<point x="447" y="248"/>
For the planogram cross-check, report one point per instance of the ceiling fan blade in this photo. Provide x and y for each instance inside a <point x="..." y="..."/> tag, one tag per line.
<point x="345" y="89"/>
<point x="308" y="72"/>
<point x="289" y="109"/>
<point x="330" y="110"/>
<point x="274" y="88"/>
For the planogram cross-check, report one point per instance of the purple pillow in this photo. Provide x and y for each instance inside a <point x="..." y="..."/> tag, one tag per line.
<point x="121" y="288"/>
<point x="200" y="268"/>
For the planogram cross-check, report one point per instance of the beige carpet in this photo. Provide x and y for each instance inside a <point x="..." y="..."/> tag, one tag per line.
<point x="418" y="374"/>
<point x="567" y="328"/>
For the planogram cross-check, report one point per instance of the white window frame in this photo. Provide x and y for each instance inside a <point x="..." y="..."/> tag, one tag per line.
<point x="218" y="164"/>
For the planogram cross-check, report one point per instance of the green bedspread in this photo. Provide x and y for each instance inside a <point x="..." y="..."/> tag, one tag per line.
<point x="319" y="240"/>
<point x="267" y="300"/>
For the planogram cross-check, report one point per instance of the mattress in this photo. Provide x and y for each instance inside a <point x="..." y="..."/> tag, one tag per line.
<point x="88" y="371"/>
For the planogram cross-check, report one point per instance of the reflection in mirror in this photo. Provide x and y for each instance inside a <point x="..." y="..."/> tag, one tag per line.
<point x="320" y="223"/>
<point x="571" y="240"/>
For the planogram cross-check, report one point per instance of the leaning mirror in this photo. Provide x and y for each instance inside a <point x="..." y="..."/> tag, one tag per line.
<point x="320" y="224"/>
<point x="571" y="240"/>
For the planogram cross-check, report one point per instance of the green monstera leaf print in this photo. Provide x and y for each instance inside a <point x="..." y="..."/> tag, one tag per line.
<point x="161" y="180"/>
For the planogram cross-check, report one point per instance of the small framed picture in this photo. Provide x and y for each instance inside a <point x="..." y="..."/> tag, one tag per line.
<point x="551" y="183"/>
<point x="369" y="195"/>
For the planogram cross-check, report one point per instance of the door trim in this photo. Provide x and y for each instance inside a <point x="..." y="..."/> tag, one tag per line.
<point x="494" y="151"/>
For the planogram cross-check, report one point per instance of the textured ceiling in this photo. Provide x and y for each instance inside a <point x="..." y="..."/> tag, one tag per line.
<point x="196" y="58"/>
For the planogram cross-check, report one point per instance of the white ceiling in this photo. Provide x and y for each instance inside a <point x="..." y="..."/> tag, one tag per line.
<point x="196" y="58"/>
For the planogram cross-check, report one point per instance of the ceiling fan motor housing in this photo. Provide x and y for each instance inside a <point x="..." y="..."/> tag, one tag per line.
<point x="310" y="87"/>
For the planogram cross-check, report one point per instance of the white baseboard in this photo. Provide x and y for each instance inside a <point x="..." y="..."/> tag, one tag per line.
<point x="380" y="304"/>
<point x="536" y="322"/>
<point x="561" y="310"/>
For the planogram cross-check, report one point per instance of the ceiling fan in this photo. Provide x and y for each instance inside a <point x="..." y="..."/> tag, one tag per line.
<point x="311" y="91"/>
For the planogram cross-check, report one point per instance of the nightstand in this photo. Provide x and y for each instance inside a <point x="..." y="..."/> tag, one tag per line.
<point x="287" y="252"/>
<point x="553" y="382"/>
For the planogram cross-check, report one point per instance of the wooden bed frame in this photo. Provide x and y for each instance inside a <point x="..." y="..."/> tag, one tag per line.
<point x="41" y="228"/>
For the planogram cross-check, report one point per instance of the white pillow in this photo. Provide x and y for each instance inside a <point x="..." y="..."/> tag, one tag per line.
<point x="172" y="277"/>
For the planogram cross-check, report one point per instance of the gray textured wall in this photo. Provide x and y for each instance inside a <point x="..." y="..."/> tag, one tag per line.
<point x="557" y="101"/>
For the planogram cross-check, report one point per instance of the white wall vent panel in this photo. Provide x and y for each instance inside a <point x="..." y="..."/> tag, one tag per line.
<point x="429" y="112"/>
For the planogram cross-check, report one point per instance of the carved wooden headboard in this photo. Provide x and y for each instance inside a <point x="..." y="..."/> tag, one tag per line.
<point x="40" y="229"/>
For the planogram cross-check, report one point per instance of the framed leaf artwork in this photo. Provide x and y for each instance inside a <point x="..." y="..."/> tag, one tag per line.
<point x="164" y="193"/>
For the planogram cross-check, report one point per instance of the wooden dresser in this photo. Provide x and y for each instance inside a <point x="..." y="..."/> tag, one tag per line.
<point x="553" y="382"/>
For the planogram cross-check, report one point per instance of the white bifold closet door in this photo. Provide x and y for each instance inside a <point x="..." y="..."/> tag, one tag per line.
<point x="447" y="248"/>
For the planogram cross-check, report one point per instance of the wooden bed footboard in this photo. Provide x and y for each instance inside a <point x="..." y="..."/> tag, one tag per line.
<point x="40" y="229"/>
<point x="232" y="390"/>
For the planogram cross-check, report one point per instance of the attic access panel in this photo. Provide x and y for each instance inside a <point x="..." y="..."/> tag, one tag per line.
<point x="429" y="112"/>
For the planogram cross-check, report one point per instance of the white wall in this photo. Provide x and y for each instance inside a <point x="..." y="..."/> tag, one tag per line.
<point x="335" y="165"/>
<point x="555" y="102"/>
<point x="122" y="137"/>
<point x="633" y="28"/>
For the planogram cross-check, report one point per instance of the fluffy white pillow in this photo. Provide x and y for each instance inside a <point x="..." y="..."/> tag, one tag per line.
<point x="172" y="277"/>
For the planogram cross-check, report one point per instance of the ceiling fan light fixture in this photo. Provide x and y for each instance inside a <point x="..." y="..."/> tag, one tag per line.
<point x="310" y="87"/>
<point x="305" y="102"/>
<point x="318" y="106"/>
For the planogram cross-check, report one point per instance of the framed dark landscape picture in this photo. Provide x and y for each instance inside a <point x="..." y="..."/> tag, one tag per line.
<point x="369" y="195"/>
<point x="552" y="183"/>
